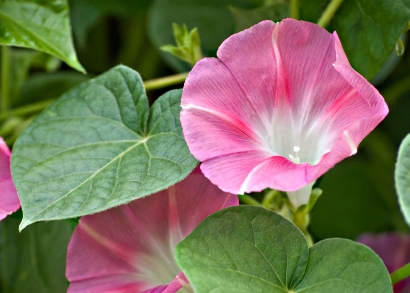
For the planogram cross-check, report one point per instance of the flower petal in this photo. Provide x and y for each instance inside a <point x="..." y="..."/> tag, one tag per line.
<point x="9" y="201"/>
<point x="234" y="137"/>
<point x="274" y="89"/>
<point x="133" y="245"/>
<point x="176" y="284"/>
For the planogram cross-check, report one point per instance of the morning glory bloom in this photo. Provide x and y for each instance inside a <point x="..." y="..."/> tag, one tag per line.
<point x="279" y="107"/>
<point x="131" y="248"/>
<point x="9" y="201"/>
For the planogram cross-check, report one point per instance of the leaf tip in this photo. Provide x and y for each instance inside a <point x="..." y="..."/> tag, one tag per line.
<point x="24" y="223"/>
<point x="74" y="63"/>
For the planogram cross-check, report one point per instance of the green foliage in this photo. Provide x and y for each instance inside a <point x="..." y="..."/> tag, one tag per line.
<point x="369" y="29"/>
<point x="351" y="204"/>
<point x="40" y="25"/>
<point x="86" y="13"/>
<point x="245" y="18"/>
<point x="251" y="249"/>
<point x="45" y="86"/>
<point x="188" y="46"/>
<point x="33" y="260"/>
<point x="402" y="177"/>
<point x="97" y="147"/>
<point x="22" y="61"/>
<point x="213" y="19"/>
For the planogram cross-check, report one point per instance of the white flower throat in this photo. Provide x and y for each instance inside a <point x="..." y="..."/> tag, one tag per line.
<point x="295" y="159"/>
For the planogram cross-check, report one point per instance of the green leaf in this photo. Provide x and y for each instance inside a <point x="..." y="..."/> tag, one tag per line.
<point x="97" y="147"/>
<point x="251" y="249"/>
<point x="402" y="178"/>
<point x="34" y="260"/>
<point x="369" y="29"/>
<point x="188" y="43"/>
<point x="42" y="25"/>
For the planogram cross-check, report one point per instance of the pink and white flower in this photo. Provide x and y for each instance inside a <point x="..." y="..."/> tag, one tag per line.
<point x="9" y="201"/>
<point x="279" y="107"/>
<point x="131" y="248"/>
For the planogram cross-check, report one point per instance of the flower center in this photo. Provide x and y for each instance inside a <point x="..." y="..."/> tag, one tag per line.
<point x="295" y="159"/>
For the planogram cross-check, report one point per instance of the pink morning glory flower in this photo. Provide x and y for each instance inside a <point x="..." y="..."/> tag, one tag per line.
<point x="394" y="250"/>
<point x="9" y="201"/>
<point x="131" y="248"/>
<point x="279" y="107"/>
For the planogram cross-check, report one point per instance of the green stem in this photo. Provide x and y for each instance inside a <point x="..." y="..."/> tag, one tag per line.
<point x="152" y="84"/>
<point x="5" y="71"/>
<point x="329" y="12"/>
<point x="294" y="9"/>
<point x="28" y="109"/>
<point x="400" y="274"/>
<point x="246" y="199"/>
<point x="269" y="197"/>
<point x="162" y="82"/>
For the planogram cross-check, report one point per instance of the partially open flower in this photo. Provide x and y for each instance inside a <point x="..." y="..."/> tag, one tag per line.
<point x="279" y="107"/>
<point x="9" y="201"/>
<point x="131" y="248"/>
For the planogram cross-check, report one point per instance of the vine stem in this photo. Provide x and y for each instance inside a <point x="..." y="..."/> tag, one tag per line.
<point x="152" y="84"/>
<point x="246" y="199"/>
<point x="162" y="82"/>
<point x="28" y="109"/>
<point x="5" y="74"/>
<point x="329" y="12"/>
<point x="294" y="9"/>
<point x="400" y="274"/>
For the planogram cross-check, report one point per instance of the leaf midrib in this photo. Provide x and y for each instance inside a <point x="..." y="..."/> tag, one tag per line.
<point x="25" y="28"/>
<point x="88" y="179"/>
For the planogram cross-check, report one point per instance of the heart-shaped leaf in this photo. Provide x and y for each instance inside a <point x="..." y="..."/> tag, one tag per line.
<point x="99" y="146"/>
<point x="402" y="177"/>
<point x="43" y="25"/>
<point x="251" y="249"/>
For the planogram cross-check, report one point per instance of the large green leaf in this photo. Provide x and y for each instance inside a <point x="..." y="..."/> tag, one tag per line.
<point x="369" y="29"/>
<point x="34" y="260"/>
<point x="402" y="177"/>
<point x="42" y="25"/>
<point x="97" y="147"/>
<point x="251" y="249"/>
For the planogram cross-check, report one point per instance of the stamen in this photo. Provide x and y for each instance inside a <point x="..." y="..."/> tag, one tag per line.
<point x="295" y="159"/>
